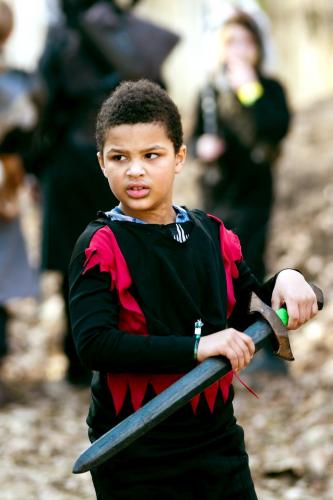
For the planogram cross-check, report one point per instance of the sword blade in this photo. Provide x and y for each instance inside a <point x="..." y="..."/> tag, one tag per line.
<point x="164" y="404"/>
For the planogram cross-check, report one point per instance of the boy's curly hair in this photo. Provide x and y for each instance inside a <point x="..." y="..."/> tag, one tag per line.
<point x="141" y="101"/>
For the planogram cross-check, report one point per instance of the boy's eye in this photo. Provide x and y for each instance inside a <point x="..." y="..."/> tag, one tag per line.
<point x="118" y="157"/>
<point x="151" y="156"/>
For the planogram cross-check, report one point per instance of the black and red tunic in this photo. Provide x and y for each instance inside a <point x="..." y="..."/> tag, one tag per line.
<point x="135" y="294"/>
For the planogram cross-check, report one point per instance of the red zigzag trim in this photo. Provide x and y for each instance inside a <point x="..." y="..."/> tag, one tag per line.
<point x="104" y="252"/>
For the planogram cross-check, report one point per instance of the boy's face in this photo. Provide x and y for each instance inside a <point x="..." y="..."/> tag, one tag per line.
<point x="140" y="164"/>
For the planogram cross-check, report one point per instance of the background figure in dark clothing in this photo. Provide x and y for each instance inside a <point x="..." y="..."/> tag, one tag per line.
<point x="18" y="118"/>
<point x="242" y="118"/>
<point x="78" y="78"/>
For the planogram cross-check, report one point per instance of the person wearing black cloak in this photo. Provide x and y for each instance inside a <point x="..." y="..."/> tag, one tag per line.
<point x="78" y="76"/>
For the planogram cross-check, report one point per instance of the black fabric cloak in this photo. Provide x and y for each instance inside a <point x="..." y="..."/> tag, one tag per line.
<point x="191" y="454"/>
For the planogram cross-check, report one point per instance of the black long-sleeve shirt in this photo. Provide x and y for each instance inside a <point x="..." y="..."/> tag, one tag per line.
<point x="95" y="308"/>
<point x="175" y="284"/>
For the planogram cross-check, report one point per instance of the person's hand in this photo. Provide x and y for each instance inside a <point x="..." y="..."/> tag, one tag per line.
<point x="209" y="147"/>
<point x="292" y="290"/>
<point x="236" y="346"/>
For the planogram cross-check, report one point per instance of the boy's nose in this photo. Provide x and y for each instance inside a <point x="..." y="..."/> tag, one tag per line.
<point x="135" y="169"/>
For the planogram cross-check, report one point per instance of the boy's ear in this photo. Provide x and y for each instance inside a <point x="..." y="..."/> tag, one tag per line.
<point x="180" y="158"/>
<point x="101" y="161"/>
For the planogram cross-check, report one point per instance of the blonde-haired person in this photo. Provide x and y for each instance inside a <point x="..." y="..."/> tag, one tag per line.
<point x="242" y="118"/>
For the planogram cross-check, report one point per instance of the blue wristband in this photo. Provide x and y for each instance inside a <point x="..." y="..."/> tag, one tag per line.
<point x="197" y="334"/>
<point x="196" y="345"/>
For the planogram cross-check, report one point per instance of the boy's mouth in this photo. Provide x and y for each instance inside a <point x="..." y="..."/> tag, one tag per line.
<point x="137" y="191"/>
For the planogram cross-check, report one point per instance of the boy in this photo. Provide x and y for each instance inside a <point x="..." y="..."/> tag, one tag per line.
<point x="141" y="276"/>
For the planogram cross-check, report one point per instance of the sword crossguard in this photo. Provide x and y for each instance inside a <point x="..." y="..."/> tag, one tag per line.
<point x="283" y="349"/>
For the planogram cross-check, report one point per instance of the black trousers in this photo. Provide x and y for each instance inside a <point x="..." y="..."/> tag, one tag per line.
<point x="251" y="224"/>
<point x="219" y="472"/>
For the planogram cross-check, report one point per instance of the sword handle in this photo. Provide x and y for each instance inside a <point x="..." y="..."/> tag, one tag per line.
<point x="282" y="313"/>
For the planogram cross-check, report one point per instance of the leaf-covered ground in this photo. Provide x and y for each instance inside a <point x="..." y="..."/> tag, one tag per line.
<point x="289" y="430"/>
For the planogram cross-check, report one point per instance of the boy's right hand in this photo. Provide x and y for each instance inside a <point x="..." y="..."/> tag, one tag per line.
<point x="236" y="346"/>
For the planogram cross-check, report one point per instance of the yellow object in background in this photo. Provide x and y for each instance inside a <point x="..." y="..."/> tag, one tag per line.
<point x="250" y="92"/>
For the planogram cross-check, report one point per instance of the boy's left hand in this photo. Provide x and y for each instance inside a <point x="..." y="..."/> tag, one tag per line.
<point x="292" y="290"/>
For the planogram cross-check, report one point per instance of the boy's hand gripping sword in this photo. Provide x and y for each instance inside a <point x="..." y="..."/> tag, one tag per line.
<point x="270" y="330"/>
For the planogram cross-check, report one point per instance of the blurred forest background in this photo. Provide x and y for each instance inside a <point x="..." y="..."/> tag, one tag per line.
<point x="289" y="429"/>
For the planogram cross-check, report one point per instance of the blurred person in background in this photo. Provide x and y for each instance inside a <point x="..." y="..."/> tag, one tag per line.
<point x="242" y="118"/>
<point x="87" y="54"/>
<point x="18" y="118"/>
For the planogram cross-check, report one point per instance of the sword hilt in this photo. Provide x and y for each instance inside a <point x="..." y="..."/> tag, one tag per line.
<point x="282" y="313"/>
